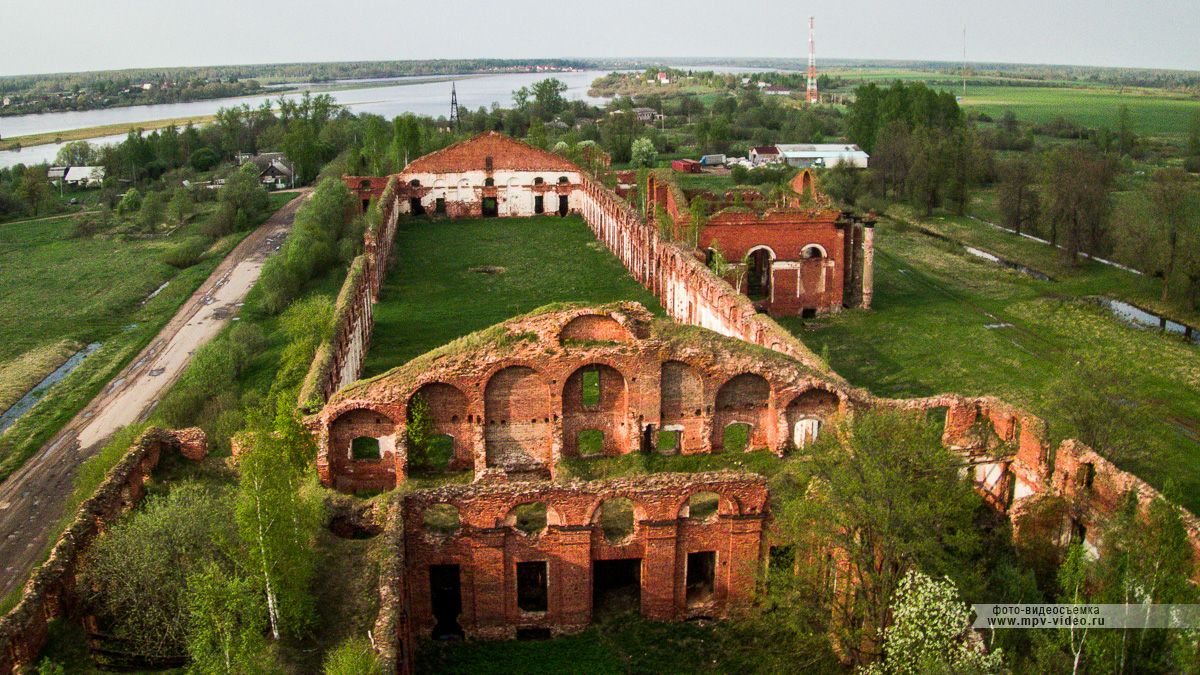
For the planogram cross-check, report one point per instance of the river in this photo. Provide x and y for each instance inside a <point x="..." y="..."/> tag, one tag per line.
<point x="415" y="94"/>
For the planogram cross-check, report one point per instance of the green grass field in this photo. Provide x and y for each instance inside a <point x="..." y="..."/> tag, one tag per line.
<point x="58" y="293"/>
<point x="432" y="295"/>
<point x="1152" y="113"/>
<point x="943" y="320"/>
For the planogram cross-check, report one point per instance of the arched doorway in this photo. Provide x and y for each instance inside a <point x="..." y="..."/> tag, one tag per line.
<point x="758" y="276"/>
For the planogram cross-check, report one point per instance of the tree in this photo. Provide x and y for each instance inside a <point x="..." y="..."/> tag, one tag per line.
<point x="135" y="577"/>
<point x="243" y="192"/>
<point x="130" y="202"/>
<point x="1171" y="191"/>
<point x="225" y="623"/>
<point x="963" y="159"/>
<point x="892" y="159"/>
<point x="152" y="211"/>
<point x="1076" y="199"/>
<point x="618" y="132"/>
<point x="643" y="154"/>
<point x="406" y="140"/>
<point x="1015" y="196"/>
<point x="841" y="183"/>
<point x="1127" y="140"/>
<point x="931" y="632"/>
<point x="76" y="153"/>
<point x="204" y="159"/>
<point x="1072" y="580"/>
<point x="927" y="176"/>
<point x="278" y="513"/>
<point x="885" y="496"/>
<point x="33" y="189"/>
<point x="180" y="210"/>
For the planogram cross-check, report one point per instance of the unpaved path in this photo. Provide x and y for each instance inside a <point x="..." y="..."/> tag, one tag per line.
<point x="32" y="499"/>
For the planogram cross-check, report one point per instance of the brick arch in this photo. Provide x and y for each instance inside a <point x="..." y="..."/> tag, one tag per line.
<point x="744" y="398"/>
<point x="807" y="413"/>
<point x="448" y="410"/>
<point x="594" y="328"/>
<point x="357" y="422"/>
<point x="727" y="504"/>
<point x="640" y="511"/>
<point x="609" y="416"/>
<point x="517" y="419"/>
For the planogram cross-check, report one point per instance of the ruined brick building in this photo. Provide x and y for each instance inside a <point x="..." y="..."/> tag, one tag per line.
<point x="796" y="257"/>
<point x="518" y="551"/>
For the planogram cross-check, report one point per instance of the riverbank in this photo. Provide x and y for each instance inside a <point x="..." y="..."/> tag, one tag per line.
<point x="18" y="142"/>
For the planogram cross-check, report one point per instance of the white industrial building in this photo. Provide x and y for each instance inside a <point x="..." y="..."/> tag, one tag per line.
<point x="823" y="155"/>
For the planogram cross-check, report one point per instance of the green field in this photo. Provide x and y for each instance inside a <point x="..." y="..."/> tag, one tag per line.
<point x="943" y="320"/>
<point x="438" y="289"/>
<point x="58" y="293"/>
<point x="1153" y="114"/>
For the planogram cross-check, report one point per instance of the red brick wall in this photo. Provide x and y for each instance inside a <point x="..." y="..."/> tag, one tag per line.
<point x="487" y="550"/>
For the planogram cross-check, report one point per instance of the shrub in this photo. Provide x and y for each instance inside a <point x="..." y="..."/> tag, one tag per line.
<point x="204" y="159"/>
<point x="354" y="656"/>
<point x="186" y="253"/>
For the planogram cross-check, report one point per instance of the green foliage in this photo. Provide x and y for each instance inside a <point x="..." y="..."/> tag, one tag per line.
<point x="1076" y="199"/>
<point x="130" y="203"/>
<point x="136" y="576"/>
<point x="306" y="324"/>
<point x="419" y="430"/>
<point x="204" y="159"/>
<point x="311" y="247"/>
<point x="930" y="632"/>
<point x="150" y="214"/>
<point x="354" y="656"/>
<point x="76" y="153"/>
<point x="643" y="154"/>
<point x="186" y="253"/>
<point x="914" y="105"/>
<point x="208" y="382"/>
<point x="225" y="623"/>
<point x="278" y="514"/>
<point x="181" y="207"/>
<point x="889" y="496"/>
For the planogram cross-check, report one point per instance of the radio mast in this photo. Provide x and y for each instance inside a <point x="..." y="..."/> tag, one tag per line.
<point x="453" y="107"/>
<point x="812" y="96"/>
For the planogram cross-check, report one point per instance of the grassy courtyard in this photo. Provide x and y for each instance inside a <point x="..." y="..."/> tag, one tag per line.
<point x="945" y="321"/>
<point x="451" y="277"/>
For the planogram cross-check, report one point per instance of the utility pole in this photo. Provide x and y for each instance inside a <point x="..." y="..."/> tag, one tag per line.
<point x="812" y="96"/>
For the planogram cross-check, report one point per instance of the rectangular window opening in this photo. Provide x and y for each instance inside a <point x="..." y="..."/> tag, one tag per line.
<point x="701" y="576"/>
<point x="532" y="586"/>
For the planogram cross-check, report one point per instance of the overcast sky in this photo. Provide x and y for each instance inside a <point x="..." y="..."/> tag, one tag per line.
<point x="39" y="36"/>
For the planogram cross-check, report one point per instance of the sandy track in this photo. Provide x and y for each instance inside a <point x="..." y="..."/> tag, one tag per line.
<point x="32" y="499"/>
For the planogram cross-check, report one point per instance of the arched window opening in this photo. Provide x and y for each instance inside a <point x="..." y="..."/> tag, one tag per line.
<point x="539" y="180"/>
<point x="562" y="180"/>
<point x="702" y="507"/>
<point x="529" y="519"/>
<point x="616" y="520"/>
<point x="414" y="183"/>
<point x="441" y="519"/>
<point x="489" y="182"/>
<point x="812" y="252"/>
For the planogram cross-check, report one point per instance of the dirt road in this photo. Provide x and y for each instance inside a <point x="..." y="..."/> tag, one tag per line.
<point x="32" y="499"/>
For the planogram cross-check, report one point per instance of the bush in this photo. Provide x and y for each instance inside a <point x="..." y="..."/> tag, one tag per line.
<point x="1192" y="164"/>
<point x="135" y="575"/>
<point x="186" y="253"/>
<point x="204" y="159"/>
<point x="354" y="656"/>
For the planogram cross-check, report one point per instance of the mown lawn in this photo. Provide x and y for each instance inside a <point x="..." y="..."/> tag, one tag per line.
<point x="58" y="293"/>
<point x="438" y="288"/>
<point x="945" y="321"/>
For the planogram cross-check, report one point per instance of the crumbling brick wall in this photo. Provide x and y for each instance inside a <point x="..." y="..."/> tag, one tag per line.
<point x="50" y="592"/>
<point x="514" y="402"/>
<point x="486" y="548"/>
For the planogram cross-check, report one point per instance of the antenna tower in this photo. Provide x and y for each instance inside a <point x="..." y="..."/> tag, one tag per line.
<point x="964" y="63"/>
<point x="812" y="96"/>
<point x="453" y="107"/>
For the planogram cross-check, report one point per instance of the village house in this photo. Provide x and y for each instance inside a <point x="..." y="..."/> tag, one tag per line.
<point x="275" y="172"/>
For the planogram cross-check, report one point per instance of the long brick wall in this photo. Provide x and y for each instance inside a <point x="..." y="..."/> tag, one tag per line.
<point x="688" y="290"/>
<point x="338" y="361"/>
<point x="50" y="592"/>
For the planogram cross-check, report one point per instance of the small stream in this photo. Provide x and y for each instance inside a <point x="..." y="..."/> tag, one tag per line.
<point x="1008" y="264"/>
<point x="34" y="395"/>
<point x="1136" y="316"/>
